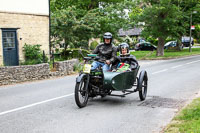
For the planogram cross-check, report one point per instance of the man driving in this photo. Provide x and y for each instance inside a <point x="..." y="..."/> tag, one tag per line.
<point x="107" y="53"/>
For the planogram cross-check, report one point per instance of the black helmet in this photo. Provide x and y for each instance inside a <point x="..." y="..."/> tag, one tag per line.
<point x="107" y="35"/>
<point x="123" y="46"/>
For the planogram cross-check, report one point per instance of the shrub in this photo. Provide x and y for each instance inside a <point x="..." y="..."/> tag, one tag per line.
<point x="78" y="67"/>
<point x="93" y="45"/>
<point x="195" y="40"/>
<point x="169" y="39"/>
<point x="155" y="41"/>
<point x="33" y="54"/>
<point x="73" y="53"/>
<point x="152" y="40"/>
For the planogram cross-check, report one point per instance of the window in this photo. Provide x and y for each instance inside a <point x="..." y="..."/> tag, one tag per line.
<point x="8" y="39"/>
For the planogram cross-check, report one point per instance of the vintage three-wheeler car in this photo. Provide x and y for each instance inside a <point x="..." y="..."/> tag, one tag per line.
<point x="92" y="83"/>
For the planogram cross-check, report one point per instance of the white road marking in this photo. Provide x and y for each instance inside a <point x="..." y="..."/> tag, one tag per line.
<point x="193" y="62"/>
<point x="34" y="104"/>
<point x="160" y="71"/>
<point x="176" y="66"/>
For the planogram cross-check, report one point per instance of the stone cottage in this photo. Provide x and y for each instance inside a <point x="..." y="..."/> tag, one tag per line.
<point x="22" y="21"/>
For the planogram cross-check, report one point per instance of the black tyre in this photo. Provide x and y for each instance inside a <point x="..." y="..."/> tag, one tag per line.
<point x="142" y="85"/>
<point x="81" y="93"/>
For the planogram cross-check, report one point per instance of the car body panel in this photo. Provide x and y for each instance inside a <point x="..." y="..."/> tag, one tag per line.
<point x="171" y="44"/>
<point x="186" y="41"/>
<point x="145" y="46"/>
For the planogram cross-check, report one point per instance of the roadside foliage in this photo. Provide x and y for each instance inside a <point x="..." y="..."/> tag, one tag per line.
<point x="74" y="22"/>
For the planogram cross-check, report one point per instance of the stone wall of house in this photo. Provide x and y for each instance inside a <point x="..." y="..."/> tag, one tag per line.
<point x="32" y="29"/>
<point x="17" y="74"/>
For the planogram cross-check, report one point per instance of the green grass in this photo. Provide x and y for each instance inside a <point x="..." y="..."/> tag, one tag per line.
<point x="187" y="121"/>
<point x="167" y="54"/>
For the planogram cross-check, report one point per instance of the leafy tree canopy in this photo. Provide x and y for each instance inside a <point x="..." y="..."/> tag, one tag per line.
<point x="164" y="18"/>
<point x="75" y="23"/>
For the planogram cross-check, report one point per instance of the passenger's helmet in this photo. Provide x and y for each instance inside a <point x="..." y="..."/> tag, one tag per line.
<point x="124" y="46"/>
<point x="107" y="35"/>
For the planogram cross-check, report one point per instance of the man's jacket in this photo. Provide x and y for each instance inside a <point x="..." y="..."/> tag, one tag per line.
<point x="106" y="52"/>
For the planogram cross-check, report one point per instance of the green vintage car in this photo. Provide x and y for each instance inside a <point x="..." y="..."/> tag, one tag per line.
<point x="103" y="83"/>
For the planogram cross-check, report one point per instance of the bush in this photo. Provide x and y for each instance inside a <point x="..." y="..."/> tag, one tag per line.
<point x="195" y="40"/>
<point x="169" y="39"/>
<point x="73" y="53"/>
<point x="152" y="40"/>
<point x="78" y="67"/>
<point x="93" y="45"/>
<point x="155" y="41"/>
<point x="33" y="54"/>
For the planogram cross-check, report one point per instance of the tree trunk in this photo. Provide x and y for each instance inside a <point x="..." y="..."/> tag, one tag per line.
<point x="178" y="46"/>
<point x="160" y="48"/>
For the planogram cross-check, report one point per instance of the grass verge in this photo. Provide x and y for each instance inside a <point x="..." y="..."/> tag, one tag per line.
<point x="168" y="54"/>
<point x="187" y="121"/>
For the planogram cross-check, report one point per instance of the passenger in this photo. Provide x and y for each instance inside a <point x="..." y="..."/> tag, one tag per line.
<point x="125" y="61"/>
<point x="107" y="53"/>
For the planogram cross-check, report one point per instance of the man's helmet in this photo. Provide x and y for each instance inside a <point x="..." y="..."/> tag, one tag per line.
<point x="107" y="35"/>
<point x="123" y="46"/>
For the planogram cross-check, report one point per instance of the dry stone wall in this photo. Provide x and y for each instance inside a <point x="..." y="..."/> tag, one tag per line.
<point x="17" y="74"/>
<point x="64" y="67"/>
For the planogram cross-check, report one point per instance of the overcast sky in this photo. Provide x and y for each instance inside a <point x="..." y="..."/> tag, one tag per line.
<point x="25" y="6"/>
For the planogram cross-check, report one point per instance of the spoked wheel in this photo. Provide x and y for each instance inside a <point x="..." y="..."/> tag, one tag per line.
<point x="142" y="85"/>
<point x="81" y="93"/>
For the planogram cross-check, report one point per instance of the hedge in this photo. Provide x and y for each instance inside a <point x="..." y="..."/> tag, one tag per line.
<point x="72" y="53"/>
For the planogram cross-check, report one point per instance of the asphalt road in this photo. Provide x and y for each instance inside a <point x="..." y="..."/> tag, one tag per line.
<point x="48" y="106"/>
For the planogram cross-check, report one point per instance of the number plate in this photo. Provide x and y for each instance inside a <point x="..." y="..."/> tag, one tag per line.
<point x="87" y="68"/>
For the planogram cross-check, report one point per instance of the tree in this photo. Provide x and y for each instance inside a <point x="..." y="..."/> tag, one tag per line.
<point x="165" y="18"/>
<point x="65" y="26"/>
<point x="80" y="4"/>
<point x="186" y="7"/>
<point x="161" y="18"/>
<point x="77" y="23"/>
<point x="61" y="28"/>
<point x="196" y="22"/>
<point x="114" y="16"/>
